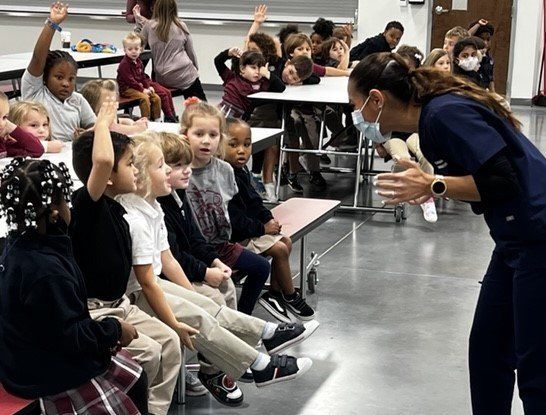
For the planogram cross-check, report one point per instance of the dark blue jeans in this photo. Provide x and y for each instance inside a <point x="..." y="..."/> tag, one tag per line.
<point x="508" y="334"/>
<point x="257" y="269"/>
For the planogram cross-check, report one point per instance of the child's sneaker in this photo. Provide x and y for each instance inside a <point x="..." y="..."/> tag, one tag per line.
<point x="193" y="386"/>
<point x="257" y="183"/>
<point x="317" y="180"/>
<point x="429" y="211"/>
<point x="298" y="306"/>
<point x="288" y="335"/>
<point x="303" y="162"/>
<point x="248" y="377"/>
<point x="274" y="304"/>
<point x="223" y="388"/>
<point x="282" y="368"/>
<point x="294" y="183"/>
<point x="270" y="192"/>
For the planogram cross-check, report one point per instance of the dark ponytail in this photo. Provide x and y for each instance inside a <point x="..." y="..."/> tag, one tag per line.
<point x="389" y="72"/>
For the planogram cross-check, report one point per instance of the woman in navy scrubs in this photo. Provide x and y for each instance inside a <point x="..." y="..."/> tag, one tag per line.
<point x="480" y="156"/>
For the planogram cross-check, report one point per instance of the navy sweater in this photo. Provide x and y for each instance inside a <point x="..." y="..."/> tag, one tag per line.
<point x="247" y="212"/>
<point x="371" y="45"/>
<point x="48" y="341"/>
<point x="188" y="245"/>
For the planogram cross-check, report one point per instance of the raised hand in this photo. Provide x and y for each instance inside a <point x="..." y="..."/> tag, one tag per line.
<point x="235" y="52"/>
<point x="260" y="13"/>
<point x="58" y="12"/>
<point x="107" y="113"/>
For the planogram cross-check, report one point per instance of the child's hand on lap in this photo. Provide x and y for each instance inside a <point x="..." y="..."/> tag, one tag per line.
<point x="272" y="227"/>
<point x="185" y="332"/>
<point x="151" y="89"/>
<point x="58" y="12"/>
<point x="235" y="52"/>
<point x="223" y="267"/>
<point x="214" y="277"/>
<point x="128" y="333"/>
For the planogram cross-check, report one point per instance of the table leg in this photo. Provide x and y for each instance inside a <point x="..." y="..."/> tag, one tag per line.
<point x="281" y="147"/>
<point x="181" y="390"/>
<point x="99" y="68"/>
<point x="303" y="269"/>
<point x="357" y="170"/>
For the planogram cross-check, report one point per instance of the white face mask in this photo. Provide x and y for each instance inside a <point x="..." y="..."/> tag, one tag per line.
<point x="371" y="130"/>
<point x="471" y="63"/>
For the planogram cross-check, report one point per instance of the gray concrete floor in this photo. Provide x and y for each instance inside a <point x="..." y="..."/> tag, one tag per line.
<point x="395" y="303"/>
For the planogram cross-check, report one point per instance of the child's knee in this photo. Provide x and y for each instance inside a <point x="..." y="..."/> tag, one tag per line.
<point x="288" y="242"/>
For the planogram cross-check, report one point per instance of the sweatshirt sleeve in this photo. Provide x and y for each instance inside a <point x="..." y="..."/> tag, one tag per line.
<point x="360" y="51"/>
<point x="275" y="84"/>
<point x="193" y="267"/>
<point x="55" y="303"/>
<point x="23" y="144"/>
<point x="126" y="77"/>
<point x="190" y="49"/>
<point x="220" y="63"/>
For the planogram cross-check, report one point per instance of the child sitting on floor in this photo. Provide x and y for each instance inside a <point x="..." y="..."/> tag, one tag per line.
<point x="33" y="118"/>
<point x="134" y="83"/>
<point x="254" y="226"/>
<point x="50" y="348"/>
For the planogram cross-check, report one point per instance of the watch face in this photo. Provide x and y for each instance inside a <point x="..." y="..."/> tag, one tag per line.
<point x="438" y="187"/>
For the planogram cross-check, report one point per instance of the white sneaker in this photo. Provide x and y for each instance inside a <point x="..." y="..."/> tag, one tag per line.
<point x="303" y="162"/>
<point x="429" y="211"/>
<point x="194" y="387"/>
<point x="270" y="192"/>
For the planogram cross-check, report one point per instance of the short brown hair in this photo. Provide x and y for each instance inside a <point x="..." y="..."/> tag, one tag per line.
<point x="176" y="149"/>
<point x="294" y="41"/>
<point x="458" y="32"/>
<point x="131" y="37"/>
<point x="326" y="46"/>
<point x="303" y="66"/>
<point x="92" y="91"/>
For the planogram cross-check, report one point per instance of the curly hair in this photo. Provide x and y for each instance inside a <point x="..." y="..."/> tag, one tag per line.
<point x="324" y="28"/>
<point x="266" y="44"/>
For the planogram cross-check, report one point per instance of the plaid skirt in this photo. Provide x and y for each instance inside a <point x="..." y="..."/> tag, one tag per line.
<point x="104" y="394"/>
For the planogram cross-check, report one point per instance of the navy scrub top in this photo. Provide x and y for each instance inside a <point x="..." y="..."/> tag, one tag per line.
<point x="458" y="135"/>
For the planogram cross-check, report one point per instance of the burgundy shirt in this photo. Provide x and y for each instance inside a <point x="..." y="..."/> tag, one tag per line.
<point x="21" y="144"/>
<point x="319" y="70"/>
<point x="131" y="75"/>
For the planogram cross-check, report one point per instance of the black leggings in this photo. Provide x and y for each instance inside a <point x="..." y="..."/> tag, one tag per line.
<point x="195" y="90"/>
<point x="139" y="393"/>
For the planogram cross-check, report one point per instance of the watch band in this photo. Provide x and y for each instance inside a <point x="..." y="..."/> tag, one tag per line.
<point x="53" y="25"/>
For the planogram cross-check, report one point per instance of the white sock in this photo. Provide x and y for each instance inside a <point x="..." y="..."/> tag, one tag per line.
<point x="269" y="330"/>
<point x="261" y="362"/>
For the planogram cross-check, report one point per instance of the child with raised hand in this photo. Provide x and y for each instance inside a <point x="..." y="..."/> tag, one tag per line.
<point x="98" y="91"/>
<point x="334" y="52"/>
<point x="33" y="118"/>
<point x="254" y="225"/>
<point x="225" y="338"/>
<point x="50" y="348"/>
<point x="250" y="75"/>
<point x="103" y="162"/>
<point x="51" y="79"/>
<point x="134" y="83"/>
<point x="14" y="140"/>
<point x="383" y="42"/>
<point x="485" y="31"/>
<point x="199" y="259"/>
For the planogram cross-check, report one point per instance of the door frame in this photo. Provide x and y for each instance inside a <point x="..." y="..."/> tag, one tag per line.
<point x="512" y="42"/>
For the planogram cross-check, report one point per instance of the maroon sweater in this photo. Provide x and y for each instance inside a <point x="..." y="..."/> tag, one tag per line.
<point x="131" y="75"/>
<point x="21" y="144"/>
<point x="237" y="89"/>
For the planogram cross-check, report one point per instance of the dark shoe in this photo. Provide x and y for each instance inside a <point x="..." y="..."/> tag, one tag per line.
<point x="248" y="377"/>
<point x="294" y="183"/>
<point x="287" y="335"/>
<point x="282" y="368"/>
<point x="170" y="118"/>
<point x="223" y="388"/>
<point x="274" y="304"/>
<point x="325" y="159"/>
<point x="299" y="307"/>
<point x="317" y="180"/>
<point x="284" y="175"/>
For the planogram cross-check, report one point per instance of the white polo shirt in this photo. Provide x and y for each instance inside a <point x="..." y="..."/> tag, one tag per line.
<point x="65" y="117"/>
<point x="148" y="234"/>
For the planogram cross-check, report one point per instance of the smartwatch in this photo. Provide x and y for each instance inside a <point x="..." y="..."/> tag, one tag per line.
<point x="53" y="25"/>
<point x="438" y="186"/>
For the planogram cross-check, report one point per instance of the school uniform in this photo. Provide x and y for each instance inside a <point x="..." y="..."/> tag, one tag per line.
<point x="375" y="44"/>
<point x="65" y="116"/>
<point x="25" y="145"/>
<point x="487" y="69"/>
<point x="458" y="136"/>
<point x="226" y="337"/>
<point x="48" y="342"/>
<point x="191" y="250"/>
<point x="102" y="247"/>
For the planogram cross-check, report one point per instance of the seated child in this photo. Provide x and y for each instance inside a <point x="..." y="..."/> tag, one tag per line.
<point x="33" y="118"/>
<point x="212" y="186"/>
<point x="383" y="42"/>
<point x="322" y="30"/>
<point x="225" y="338"/>
<point x="485" y="31"/>
<point x="50" y="348"/>
<point x="199" y="259"/>
<point x="14" y="140"/>
<point x="134" y="83"/>
<point x="335" y="53"/>
<point x="250" y="76"/>
<point x="452" y="36"/>
<point x="344" y="33"/>
<point x="439" y="59"/>
<point x="466" y="60"/>
<point x="51" y="79"/>
<point x="254" y="226"/>
<point x="97" y="91"/>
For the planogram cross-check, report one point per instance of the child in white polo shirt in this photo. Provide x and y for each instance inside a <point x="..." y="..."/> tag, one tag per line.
<point x="51" y="79"/>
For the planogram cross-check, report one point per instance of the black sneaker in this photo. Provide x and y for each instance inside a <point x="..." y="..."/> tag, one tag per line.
<point x="223" y="388"/>
<point x="325" y="159"/>
<point x="299" y="307"/>
<point x="317" y="180"/>
<point x="274" y="304"/>
<point x="282" y="368"/>
<point x="287" y="335"/>
<point x="294" y="183"/>
<point x="171" y="118"/>
<point x="248" y="377"/>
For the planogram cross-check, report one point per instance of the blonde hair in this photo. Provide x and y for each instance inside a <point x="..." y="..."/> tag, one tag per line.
<point x="92" y="91"/>
<point x="143" y="144"/>
<point x="19" y="111"/>
<point x="434" y="56"/>
<point x="176" y="148"/>
<point x="166" y="14"/>
<point x="205" y="110"/>
<point x="458" y="32"/>
<point x="131" y="37"/>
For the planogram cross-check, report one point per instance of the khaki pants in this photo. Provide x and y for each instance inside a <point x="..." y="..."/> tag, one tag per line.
<point x="401" y="149"/>
<point x="157" y="349"/>
<point x="225" y="294"/>
<point x="226" y="337"/>
<point x="150" y="105"/>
